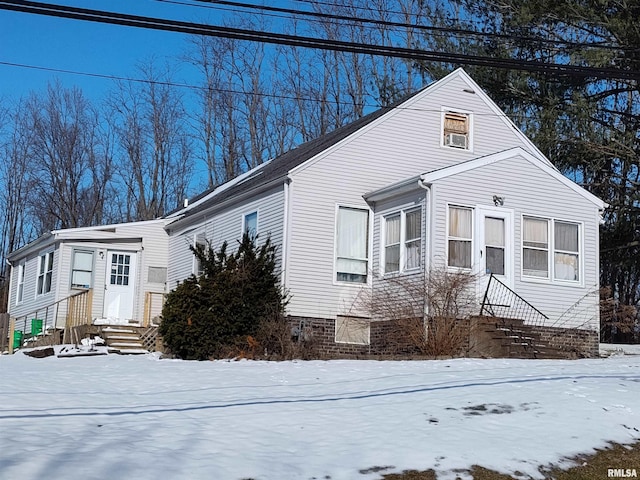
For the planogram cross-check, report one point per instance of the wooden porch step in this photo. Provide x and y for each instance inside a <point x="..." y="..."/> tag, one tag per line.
<point x="123" y="340"/>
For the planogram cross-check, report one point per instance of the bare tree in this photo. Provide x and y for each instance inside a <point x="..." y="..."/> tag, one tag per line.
<point x="155" y="164"/>
<point x="69" y="160"/>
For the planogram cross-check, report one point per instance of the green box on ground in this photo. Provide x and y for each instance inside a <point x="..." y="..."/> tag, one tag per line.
<point x="17" y="339"/>
<point x="36" y="326"/>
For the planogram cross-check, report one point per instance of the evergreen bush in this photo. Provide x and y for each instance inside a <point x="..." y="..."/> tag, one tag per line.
<point x="221" y="312"/>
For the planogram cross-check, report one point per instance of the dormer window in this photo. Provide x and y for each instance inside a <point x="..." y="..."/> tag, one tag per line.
<point x="456" y="130"/>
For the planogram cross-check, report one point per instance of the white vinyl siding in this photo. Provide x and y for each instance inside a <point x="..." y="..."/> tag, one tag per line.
<point x="45" y="273"/>
<point x="540" y="197"/>
<point x="352" y="244"/>
<point x="225" y="224"/>
<point x="82" y="271"/>
<point x="400" y="145"/>
<point x="402" y="241"/>
<point x="460" y="237"/>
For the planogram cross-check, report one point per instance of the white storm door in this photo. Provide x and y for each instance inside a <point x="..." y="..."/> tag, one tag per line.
<point x="119" y="295"/>
<point x="494" y="248"/>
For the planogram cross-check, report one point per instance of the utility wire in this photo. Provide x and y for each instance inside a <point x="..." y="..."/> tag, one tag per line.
<point x="206" y="88"/>
<point x="310" y="42"/>
<point x="387" y="23"/>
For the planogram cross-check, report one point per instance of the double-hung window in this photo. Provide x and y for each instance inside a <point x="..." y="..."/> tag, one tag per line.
<point x="460" y="237"/>
<point x="82" y="269"/>
<point x="535" y="247"/>
<point x="45" y="273"/>
<point x="544" y="239"/>
<point x="352" y="245"/>
<point x="200" y="243"/>
<point x="403" y="241"/>
<point x="566" y="251"/>
<point x="20" y="288"/>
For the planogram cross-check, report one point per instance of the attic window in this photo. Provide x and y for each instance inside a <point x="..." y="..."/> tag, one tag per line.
<point x="456" y="130"/>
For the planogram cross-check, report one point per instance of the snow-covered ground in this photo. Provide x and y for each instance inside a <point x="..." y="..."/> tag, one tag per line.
<point x="108" y="417"/>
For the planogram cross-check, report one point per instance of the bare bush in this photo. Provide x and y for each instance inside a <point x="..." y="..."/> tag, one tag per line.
<point x="425" y="314"/>
<point x="617" y="320"/>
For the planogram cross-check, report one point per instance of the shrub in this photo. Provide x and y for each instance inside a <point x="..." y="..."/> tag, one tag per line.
<point x="213" y="315"/>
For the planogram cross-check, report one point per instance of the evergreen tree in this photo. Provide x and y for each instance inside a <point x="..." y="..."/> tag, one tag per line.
<point x="212" y="316"/>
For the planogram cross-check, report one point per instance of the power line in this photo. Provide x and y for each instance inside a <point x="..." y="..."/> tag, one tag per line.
<point x="310" y="42"/>
<point x="230" y="90"/>
<point x="388" y="23"/>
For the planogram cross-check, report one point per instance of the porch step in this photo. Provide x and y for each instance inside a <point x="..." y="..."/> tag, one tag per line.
<point x="505" y="337"/>
<point x="123" y="340"/>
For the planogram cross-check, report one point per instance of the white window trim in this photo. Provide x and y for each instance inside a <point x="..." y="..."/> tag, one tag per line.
<point x="73" y="255"/>
<point x="473" y="239"/>
<point x="196" y="234"/>
<point x="443" y="111"/>
<point x="20" y="282"/>
<point x="403" y="240"/>
<point x="46" y="256"/>
<point x="369" y="244"/>
<point x="550" y="279"/>
<point x="244" y="220"/>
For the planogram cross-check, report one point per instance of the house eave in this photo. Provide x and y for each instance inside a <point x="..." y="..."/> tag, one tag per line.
<point x="393" y="190"/>
<point x="186" y="220"/>
<point x="42" y="241"/>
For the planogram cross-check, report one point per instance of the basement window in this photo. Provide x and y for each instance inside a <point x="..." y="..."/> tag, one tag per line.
<point x="353" y="330"/>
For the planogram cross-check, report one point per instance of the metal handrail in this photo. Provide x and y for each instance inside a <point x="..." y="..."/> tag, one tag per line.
<point x="502" y="301"/>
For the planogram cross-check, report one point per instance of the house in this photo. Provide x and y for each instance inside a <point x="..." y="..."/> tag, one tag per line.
<point x="441" y="180"/>
<point x="114" y="274"/>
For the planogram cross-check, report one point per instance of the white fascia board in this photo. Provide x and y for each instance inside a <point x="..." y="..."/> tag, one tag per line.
<point x="435" y="175"/>
<point x="67" y="232"/>
<point x="42" y="241"/>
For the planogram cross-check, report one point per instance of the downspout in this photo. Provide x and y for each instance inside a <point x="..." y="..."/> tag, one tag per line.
<point x="8" y="262"/>
<point x="428" y="236"/>
<point x="285" y="233"/>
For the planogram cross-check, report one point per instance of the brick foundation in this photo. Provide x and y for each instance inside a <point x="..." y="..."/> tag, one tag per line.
<point x="572" y="341"/>
<point x="320" y="333"/>
<point x="389" y="340"/>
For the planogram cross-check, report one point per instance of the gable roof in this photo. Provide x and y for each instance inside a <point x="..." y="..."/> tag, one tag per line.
<point x="280" y="167"/>
<point x="277" y="169"/>
<point x="434" y="175"/>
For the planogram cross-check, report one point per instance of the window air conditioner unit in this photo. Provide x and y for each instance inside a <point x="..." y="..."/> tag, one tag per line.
<point x="457" y="140"/>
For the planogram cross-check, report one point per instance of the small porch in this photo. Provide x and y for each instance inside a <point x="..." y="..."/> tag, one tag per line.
<point x="69" y="320"/>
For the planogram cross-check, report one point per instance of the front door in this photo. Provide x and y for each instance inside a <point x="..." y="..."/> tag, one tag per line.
<point x="494" y="246"/>
<point x="119" y="295"/>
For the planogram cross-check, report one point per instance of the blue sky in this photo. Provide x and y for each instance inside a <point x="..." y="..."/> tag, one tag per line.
<point x="66" y="44"/>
